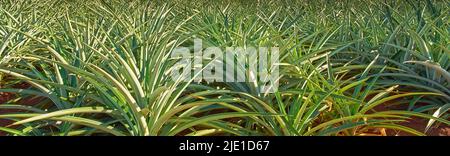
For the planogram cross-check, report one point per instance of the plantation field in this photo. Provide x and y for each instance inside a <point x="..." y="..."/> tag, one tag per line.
<point x="345" y="68"/>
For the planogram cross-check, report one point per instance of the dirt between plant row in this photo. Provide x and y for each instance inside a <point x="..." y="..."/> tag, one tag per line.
<point x="416" y="123"/>
<point x="4" y="97"/>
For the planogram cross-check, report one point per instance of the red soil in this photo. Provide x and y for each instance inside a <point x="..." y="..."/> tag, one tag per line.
<point x="416" y="123"/>
<point x="4" y="97"/>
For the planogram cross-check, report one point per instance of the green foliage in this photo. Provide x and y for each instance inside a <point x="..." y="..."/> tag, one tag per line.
<point x="101" y="67"/>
